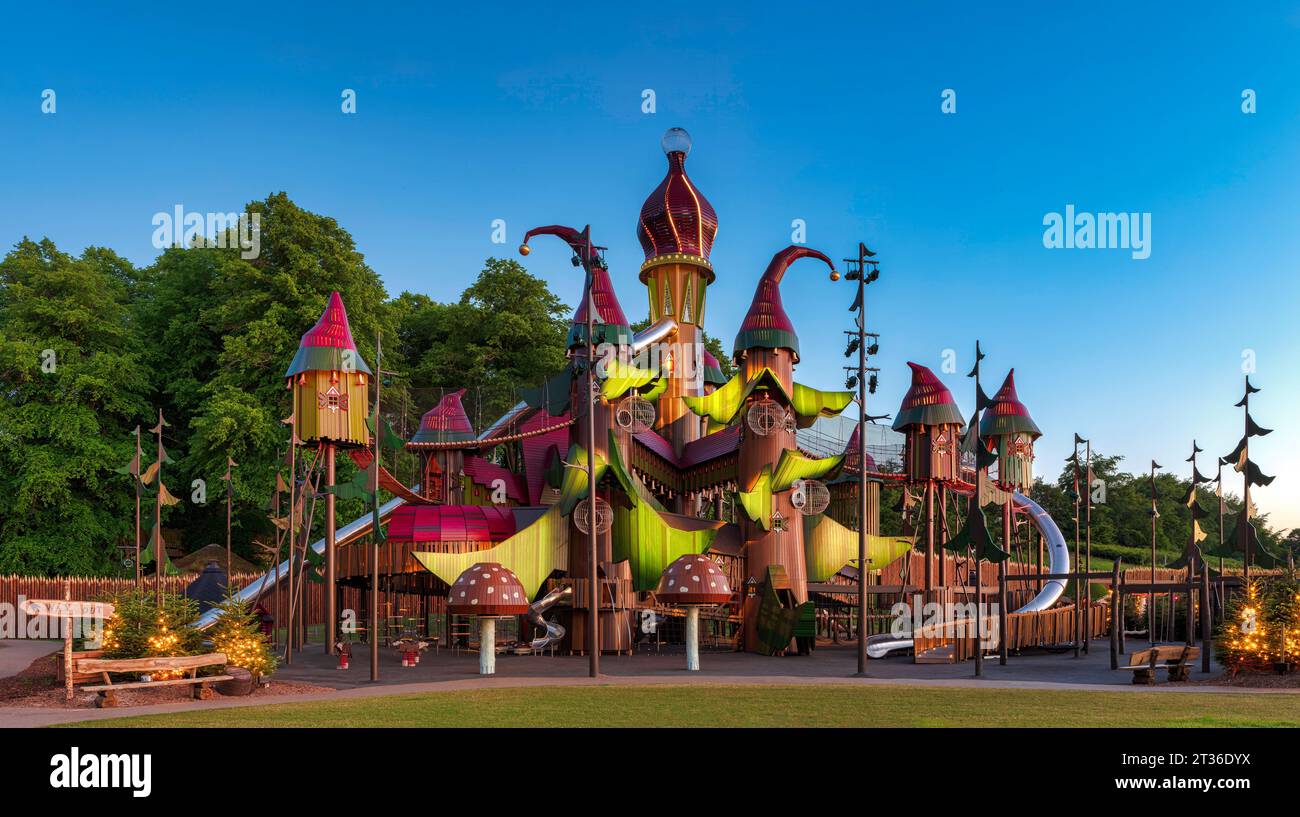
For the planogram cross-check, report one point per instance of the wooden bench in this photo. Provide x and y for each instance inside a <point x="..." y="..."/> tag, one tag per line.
<point x="189" y="664"/>
<point x="1176" y="658"/>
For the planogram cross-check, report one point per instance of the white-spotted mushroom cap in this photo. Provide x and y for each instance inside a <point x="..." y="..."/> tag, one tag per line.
<point x="693" y="579"/>
<point x="488" y="589"/>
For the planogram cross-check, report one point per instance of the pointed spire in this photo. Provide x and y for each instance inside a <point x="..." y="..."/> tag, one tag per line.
<point x="328" y="346"/>
<point x="766" y="325"/>
<point x="928" y="402"/>
<point x="1006" y="414"/>
<point x="446" y="422"/>
<point x="611" y="323"/>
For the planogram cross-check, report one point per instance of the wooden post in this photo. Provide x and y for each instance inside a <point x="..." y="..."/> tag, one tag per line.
<point x="1122" y="645"/>
<point x="1116" y="616"/>
<point x="1002" y="585"/>
<point x="1206" y="640"/>
<point x="67" y="640"/>
<point x="929" y="535"/>
<point x="331" y="534"/>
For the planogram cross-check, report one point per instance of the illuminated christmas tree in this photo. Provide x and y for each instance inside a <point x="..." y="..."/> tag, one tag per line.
<point x="238" y="634"/>
<point x="1243" y="637"/>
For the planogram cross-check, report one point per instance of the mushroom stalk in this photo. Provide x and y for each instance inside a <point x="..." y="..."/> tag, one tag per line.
<point x="487" y="646"/>
<point x="693" y="638"/>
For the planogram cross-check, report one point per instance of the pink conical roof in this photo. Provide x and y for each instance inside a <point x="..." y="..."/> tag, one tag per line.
<point x="322" y="347"/>
<point x="852" y="451"/>
<point x="446" y="422"/>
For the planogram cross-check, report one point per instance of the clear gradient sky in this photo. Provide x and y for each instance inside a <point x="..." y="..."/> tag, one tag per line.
<point x="533" y="115"/>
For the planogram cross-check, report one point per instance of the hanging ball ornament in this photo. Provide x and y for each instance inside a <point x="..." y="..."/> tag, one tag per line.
<point x="635" y="414"/>
<point x="765" y="416"/>
<point x="524" y="249"/>
<point x="582" y="516"/>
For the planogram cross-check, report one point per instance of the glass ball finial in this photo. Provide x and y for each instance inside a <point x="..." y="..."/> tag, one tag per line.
<point x="676" y="140"/>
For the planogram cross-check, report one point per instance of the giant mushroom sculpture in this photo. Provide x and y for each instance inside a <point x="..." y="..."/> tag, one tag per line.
<point x="693" y="582"/>
<point x="489" y="591"/>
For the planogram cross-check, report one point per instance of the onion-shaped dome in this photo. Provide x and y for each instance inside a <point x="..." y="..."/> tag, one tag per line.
<point x="677" y="222"/>
<point x="766" y="325"/>
<point x="446" y="422"/>
<point x="487" y="589"/>
<point x="927" y="403"/>
<point x="1006" y="414"/>
<point x="693" y="579"/>
<point x="322" y="348"/>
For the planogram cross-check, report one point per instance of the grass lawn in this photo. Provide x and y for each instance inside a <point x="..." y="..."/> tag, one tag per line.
<point x="754" y="706"/>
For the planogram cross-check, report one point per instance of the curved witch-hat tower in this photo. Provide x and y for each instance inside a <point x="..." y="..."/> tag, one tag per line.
<point x="676" y="229"/>
<point x="611" y="323"/>
<point x="766" y="349"/>
<point x="1006" y="422"/>
<point x="441" y="466"/>
<point x="609" y="326"/>
<point x="767" y="336"/>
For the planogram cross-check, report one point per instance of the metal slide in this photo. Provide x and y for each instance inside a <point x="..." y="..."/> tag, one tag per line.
<point x="348" y="533"/>
<point x="1058" y="553"/>
<point x="554" y="631"/>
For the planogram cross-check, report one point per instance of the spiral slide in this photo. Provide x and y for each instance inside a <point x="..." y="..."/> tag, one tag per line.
<point x="1059" y="562"/>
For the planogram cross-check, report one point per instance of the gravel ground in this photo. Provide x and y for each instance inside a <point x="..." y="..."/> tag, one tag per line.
<point x="36" y="687"/>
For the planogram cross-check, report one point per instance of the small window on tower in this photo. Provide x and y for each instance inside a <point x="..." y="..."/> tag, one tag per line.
<point x="686" y="303"/>
<point x="668" y="297"/>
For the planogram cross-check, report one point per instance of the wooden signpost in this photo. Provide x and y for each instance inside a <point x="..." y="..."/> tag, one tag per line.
<point x="66" y="610"/>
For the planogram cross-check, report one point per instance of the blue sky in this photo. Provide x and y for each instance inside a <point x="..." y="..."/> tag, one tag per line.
<point x="827" y="115"/>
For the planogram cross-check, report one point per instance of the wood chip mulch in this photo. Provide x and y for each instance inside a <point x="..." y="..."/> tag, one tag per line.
<point x="36" y="686"/>
<point x="1254" y="679"/>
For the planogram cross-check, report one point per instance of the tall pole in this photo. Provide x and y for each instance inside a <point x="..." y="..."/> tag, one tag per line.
<point x="589" y="402"/>
<point x="1245" y="485"/>
<point x="862" y="472"/>
<point x="230" y="498"/>
<point x="1087" y="527"/>
<point x="1078" y="599"/>
<point x="1151" y="594"/>
<point x="857" y="270"/>
<point x="159" y="549"/>
<point x="137" y="508"/>
<point x="292" y="536"/>
<point x="331" y="534"/>
<point x="374" y="534"/>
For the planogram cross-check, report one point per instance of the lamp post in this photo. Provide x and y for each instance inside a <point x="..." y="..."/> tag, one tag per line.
<point x="863" y="270"/>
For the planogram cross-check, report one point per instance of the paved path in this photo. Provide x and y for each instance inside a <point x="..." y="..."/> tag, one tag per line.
<point x="449" y="672"/>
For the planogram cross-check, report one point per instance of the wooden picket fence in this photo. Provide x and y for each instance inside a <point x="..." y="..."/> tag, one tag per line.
<point x="1023" y="631"/>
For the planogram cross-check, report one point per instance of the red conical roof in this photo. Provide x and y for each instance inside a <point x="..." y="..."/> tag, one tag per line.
<point x="608" y="312"/>
<point x="928" y="402"/>
<point x="322" y="348"/>
<point x="446" y="422"/>
<point x="612" y="326"/>
<point x="676" y="219"/>
<point x="852" y="452"/>
<point x="1006" y="414"/>
<point x="766" y="325"/>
